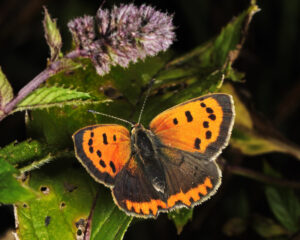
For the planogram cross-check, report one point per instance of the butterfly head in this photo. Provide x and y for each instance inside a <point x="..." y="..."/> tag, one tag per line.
<point x="137" y="127"/>
<point x="141" y="138"/>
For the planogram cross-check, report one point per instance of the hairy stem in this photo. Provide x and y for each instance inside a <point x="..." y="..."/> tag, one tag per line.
<point x="52" y="69"/>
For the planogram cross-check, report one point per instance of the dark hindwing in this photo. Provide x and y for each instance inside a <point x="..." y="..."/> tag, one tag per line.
<point x="134" y="193"/>
<point x="189" y="179"/>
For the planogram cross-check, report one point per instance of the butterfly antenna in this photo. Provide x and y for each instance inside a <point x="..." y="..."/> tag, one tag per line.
<point x="146" y="98"/>
<point x="110" y="116"/>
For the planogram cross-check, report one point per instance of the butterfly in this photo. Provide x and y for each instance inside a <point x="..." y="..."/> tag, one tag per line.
<point x="170" y="165"/>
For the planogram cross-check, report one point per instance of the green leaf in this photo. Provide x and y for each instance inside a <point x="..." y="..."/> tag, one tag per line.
<point x="46" y="97"/>
<point x="52" y="35"/>
<point x="227" y="44"/>
<point x="12" y="190"/>
<point x="108" y="222"/>
<point x="66" y="200"/>
<point x="181" y="217"/>
<point x="284" y="204"/>
<point x="6" y="92"/>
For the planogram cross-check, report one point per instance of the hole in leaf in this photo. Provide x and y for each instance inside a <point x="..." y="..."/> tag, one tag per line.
<point x="25" y="205"/>
<point x="44" y="190"/>
<point x="79" y="232"/>
<point x="62" y="205"/>
<point x="80" y="225"/>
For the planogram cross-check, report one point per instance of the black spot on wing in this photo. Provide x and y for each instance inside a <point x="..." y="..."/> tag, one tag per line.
<point x="197" y="143"/>
<point x="209" y="110"/>
<point x="203" y="105"/>
<point x="99" y="153"/>
<point x="112" y="166"/>
<point x="91" y="149"/>
<point x="208" y="134"/>
<point x="104" y="139"/>
<point x="90" y="142"/>
<point x="212" y="116"/>
<point x="102" y="163"/>
<point x="175" y="121"/>
<point x="206" y="124"/>
<point x="189" y="116"/>
<point x="114" y="138"/>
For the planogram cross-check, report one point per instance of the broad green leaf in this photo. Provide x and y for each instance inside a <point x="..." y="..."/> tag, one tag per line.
<point x="52" y="35"/>
<point x="64" y="204"/>
<point x="6" y="92"/>
<point x="284" y="204"/>
<point x="181" y="217"/>
<point x="248" y="139"/>
<point x="108" y="222"/>
<point x="11" y="189"/>
<point x="46" y="97"/>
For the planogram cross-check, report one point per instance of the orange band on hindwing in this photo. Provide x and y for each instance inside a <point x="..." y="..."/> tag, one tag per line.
<point x="152" y="207"/>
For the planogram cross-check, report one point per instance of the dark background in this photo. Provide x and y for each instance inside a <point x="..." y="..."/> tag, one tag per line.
<point x="270" y="59"/>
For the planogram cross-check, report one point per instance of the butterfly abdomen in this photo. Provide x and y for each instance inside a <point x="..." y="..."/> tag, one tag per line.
<point x="146" y="156"/>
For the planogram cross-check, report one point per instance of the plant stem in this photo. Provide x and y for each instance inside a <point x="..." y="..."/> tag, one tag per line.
<point x="52" y="69"/>
<point x="261" y="177"/>
<point x="87" y="232"/>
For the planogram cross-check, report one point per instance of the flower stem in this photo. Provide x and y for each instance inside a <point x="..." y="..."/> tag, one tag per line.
<point x="52" y="69"/>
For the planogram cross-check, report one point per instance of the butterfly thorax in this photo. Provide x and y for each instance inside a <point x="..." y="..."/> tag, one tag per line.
<point x="144" y="148"/>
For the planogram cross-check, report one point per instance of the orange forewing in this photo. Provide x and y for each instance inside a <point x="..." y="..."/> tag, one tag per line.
<point x="106" y="147"/>
<point x="190" y="126"/>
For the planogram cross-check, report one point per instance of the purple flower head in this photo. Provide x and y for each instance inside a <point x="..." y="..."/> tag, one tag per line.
<point x="123" y="35"/>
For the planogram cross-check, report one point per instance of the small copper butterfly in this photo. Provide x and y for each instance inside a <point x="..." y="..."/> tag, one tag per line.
<point x="172" y="165"/>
